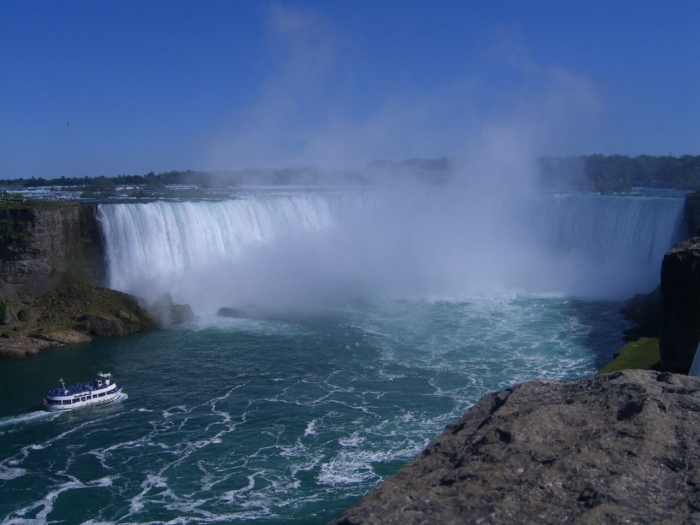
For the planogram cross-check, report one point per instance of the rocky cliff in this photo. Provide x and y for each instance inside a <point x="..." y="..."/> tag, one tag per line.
<point x="692" y="212"/>
<point x="51" y="261"/>
<point x="616" y="448"/>
<point x="680" y="306"/>
<point x="40" y="241"/>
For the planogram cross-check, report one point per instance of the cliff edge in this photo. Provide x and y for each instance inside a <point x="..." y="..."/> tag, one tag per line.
<point x="51" y="265"/>
<point x="40" y="240"/>
<point x="680" y="306"/>
<point x="615" y="448"/>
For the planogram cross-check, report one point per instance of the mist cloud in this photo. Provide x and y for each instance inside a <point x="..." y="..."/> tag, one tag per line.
<point x="306" y="112"/>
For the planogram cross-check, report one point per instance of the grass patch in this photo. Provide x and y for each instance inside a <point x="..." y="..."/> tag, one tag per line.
<point x="640" y="355"/>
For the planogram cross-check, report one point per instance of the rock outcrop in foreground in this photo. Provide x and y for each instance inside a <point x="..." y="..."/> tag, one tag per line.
<point x="616" y="448"/>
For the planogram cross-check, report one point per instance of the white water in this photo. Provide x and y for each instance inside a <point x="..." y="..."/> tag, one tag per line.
<point x="309" y="250"/>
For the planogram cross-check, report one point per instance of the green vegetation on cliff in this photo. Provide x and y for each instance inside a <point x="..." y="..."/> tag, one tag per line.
<point x="73" y="311"/>
<point x="641" y="355"/>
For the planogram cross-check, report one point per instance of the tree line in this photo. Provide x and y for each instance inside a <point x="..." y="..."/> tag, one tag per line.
<point x="598" y="173"/>
<point x="620" y="173"/>
<point x="188" y="177"/>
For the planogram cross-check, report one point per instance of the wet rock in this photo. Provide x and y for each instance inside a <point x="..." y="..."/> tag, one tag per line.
<point x="615" y="448"/>
<point x="645" y="311"/>
<point x="167" y="313"/>
<point x="181" y="313"/>
<point x="229" y="312"/>
<point x="21" y="344"/>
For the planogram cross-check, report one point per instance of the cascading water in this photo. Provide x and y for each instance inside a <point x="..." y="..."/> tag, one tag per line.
<point x="611" y="246"/>
<point x="606" y="226"/>
<point x="192" y="249"/>
<point x="278" y="250"/>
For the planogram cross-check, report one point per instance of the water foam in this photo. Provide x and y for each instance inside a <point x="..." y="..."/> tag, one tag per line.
<point x="8" y="473"/>
<point x="31" y="417"/>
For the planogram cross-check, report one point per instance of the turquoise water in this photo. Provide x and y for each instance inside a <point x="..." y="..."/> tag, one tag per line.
<point x="279" y="420"/>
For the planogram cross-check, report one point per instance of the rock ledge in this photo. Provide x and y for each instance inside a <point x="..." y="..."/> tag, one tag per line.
<point x="615" y="448"/>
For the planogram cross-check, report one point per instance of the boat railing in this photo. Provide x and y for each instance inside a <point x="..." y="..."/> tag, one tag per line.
<point x="80" y="388"/>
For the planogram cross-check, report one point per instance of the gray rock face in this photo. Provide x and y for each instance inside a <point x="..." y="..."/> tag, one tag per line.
<point x="181" y="313"/>
<point x="680" y="306"/>
<point x="101" y="325"/>
<point x="692" y="212"/>
<point x="37" y="242"/>
<point x="167" y="313"/>
<point x="229" y="312"/>
<point x="616" y="448"/>
<point x="645" y="311"/>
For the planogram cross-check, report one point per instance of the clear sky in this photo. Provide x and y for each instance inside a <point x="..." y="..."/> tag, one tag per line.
<point x="117" y="87"/>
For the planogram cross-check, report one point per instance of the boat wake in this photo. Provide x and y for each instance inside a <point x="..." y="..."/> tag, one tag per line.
<point x="31" y="417"/>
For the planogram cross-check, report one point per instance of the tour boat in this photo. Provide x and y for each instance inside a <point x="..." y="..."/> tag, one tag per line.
<point x="100" y="391"/>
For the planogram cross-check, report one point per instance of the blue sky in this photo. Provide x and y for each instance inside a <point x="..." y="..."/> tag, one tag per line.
<point x="107" y="88"/>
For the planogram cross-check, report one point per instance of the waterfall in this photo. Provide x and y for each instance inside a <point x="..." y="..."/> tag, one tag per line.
<point x="641" y="228"/>
<point x="289" y="249"/>
<point x="611" y="242"/>
<point x="163" y="246"/>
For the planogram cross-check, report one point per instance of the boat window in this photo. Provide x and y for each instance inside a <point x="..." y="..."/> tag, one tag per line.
<point x="101" y="394"/>
<point x="82" y="399"/>
<point x="66" y="401"/>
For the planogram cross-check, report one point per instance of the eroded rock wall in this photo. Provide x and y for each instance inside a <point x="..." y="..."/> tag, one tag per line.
<point x="39" y="242"/>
